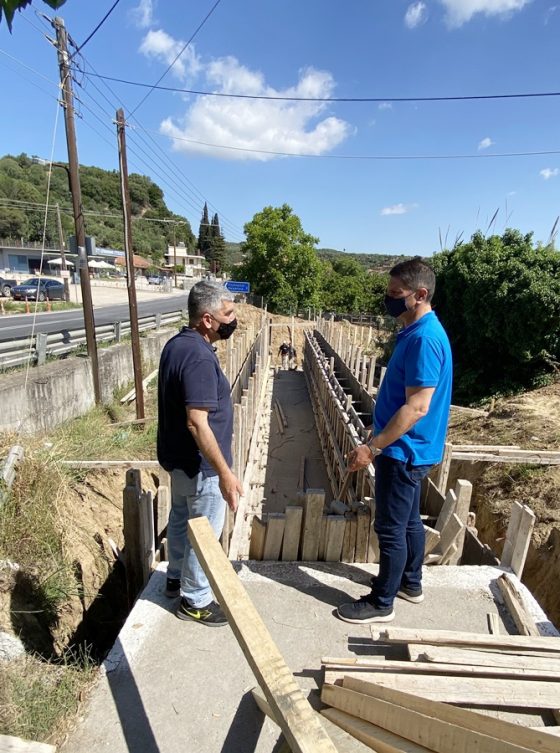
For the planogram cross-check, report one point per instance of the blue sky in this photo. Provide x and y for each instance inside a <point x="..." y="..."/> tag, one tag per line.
<point x="312" y="48"/>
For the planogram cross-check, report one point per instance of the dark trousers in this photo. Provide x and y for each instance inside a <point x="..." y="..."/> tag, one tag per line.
<point x="398" y="527"/>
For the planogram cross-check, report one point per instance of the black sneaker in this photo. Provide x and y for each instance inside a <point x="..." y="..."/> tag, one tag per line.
<point x="364" y="611"/>
<point x="173" y="587"/>
<point x="414" y="595"/>
<point x="210" y="615"/>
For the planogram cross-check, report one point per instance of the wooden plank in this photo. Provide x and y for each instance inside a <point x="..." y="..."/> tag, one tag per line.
<point x="529" y="457"/>
<point x="452" y="530"/>
<point x="472" y="657"/>
<point x="362" y="533"/>
<point x="473" y="720"/>
<point x="511" y="533"/>
<point x="133" y="536"/>
<point x="10" y="744"/>
<point x="275" y="523"/>
<point x="278" y="418"/>
<point x="443" y="469"/>
<point x="336" y="525"/>
<point x="433" y="500"/>
<point x="447" y="510"/>
<point x="322" y="539"/>
<point x="375" y="737"/>
<point x="349" y="540"/>
<point x="313" y="504"/>
<point x="109" y="464"/>
<point x="436" y="734"/>
<point x="362" y="668"/>
<point x="258" y="536"/>
<point x="523" y="541"/>
<point x="292" y="533"/>
<point x="463" y="493"/>
<point x="432" y="539"/>
<point x="344" y="742"/>
<point x="524" y="622"/>
<point x="493" y="623"/>
<point x="373" y="541"/>
<point x="281" y="412"/>
<point x="549" y="730"/>
<point x="472" y="691"/>
<point x="291" y="709"/>
<point x="456" y="638"/>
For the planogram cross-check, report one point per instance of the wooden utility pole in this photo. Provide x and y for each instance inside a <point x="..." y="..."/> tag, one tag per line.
<point x="75" y="188"/>
<point x="175" y="255"/>
<point x="63" y="267"/>
<point x="130" y="282"/>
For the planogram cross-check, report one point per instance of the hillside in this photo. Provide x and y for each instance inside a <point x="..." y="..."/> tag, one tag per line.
<point x="376" y="262"/>
<point x="23" y="190"/>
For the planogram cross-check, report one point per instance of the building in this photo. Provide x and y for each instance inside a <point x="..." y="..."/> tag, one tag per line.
<point x="193" y="264"/>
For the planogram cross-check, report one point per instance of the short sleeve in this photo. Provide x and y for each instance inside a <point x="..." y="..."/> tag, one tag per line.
<point x="199" y="384"/>
<point x="423" y="363"/>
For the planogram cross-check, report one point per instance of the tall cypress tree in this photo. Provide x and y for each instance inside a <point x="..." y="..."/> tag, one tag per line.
<point x="204" y="234"/>
<point x="218" y="246"/>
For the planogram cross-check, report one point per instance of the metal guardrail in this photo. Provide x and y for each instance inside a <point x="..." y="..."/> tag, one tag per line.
<point x="35" y="349"/>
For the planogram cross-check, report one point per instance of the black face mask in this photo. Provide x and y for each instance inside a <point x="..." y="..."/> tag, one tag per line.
<point x="395" y="306"/>
<point x="226" y="329"/>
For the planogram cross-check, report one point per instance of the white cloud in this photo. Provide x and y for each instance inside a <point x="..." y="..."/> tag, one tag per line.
<point x="461" y="11"/>
<point x="398" y="209"/>
<point x="160" y="45"/>
<point x="415" y="15"/>
<point x="549" y="172"/>
<point x="385" y="106"/>
<point x="485" y="143"/>
<point x="143" y="13"/>
<point x="268" y="125"/>
<point x="549" y="13"/>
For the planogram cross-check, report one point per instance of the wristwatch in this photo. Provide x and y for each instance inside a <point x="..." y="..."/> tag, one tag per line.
<point x="374" y="450"/>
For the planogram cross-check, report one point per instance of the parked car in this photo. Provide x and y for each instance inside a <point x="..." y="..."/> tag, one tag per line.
<point x="6" y="286"/>
<point x="155" y="280"/>
<point x="39" y="288"/>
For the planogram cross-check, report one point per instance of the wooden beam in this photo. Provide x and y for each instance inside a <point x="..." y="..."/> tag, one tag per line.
<point x="463" y="493"/>
<point x="345" y="743"/>
<point x="432" y="539"/>
<point x="313" y="504"/>
<point x="443" y="469"/>
<point x="336" y="525"/>
<point x="472" y="691"/>
<point x="109" y="464"/>
<point x="472" y="720"/>
<point x="477" y="640"/>
<point x="518" y="537"/>
<point x="493" y="623"/>
<point x="375" y="737"/>
<point x="362" y="533"/>
<point x="289" y="706"/>
<point x="258" y="535"/>
<point x="447" y="510"/>
<point x="275" y="523"/>
<point x="436" y="734"/>
<point x="524" y="622"/>
<point x="471" y="657"/>
<point x="292" y="533"/>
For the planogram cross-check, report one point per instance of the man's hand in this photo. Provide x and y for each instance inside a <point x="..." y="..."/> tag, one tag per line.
<point x="361" y="457"/>
<point x="231" y="489"/>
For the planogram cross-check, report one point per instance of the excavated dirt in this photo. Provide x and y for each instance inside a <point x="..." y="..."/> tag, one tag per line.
<point x="531" y="420"/>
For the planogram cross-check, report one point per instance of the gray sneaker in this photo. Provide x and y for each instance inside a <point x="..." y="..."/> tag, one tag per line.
<point x="414" y="595"/>
<point x="364" y="611"/>
<point x="210" y="615"/>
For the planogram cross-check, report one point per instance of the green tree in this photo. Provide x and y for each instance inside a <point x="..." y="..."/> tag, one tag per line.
<point x="280" y="260"/>
<point x="217" y="246"/>
<point x="498" y="300"/>
<point x="204" y="233"/>
<point x="9" y="7"/>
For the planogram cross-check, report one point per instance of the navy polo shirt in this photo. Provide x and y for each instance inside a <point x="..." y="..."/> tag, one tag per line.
<point x="421" y="358"/>
<point x="190" y="376"/>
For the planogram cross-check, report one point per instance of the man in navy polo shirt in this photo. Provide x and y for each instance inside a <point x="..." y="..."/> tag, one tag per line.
<point x="195" y="426"/>
<point x="410" y="424"/>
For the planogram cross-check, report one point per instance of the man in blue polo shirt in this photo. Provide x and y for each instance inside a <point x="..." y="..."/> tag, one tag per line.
<point x="410" y="424"/>
<point x="195" y="426"/>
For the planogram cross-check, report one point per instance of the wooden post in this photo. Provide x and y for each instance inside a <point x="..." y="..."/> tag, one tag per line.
<point x="313" y="504"/>
<point x="258" y="535"/>
<point x="132" y="519"/>
<point x="292" y="533"/>
<point x="443" y="470"/>
<point x="275" y="522"/>
<point x="463" y="492"/>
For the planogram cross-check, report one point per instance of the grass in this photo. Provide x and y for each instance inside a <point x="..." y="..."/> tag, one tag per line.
<point x="37" y="698"/>
<point x="18" y="307"/>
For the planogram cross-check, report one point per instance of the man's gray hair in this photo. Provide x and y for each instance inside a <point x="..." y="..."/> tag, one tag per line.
<point x="206" y="298"/>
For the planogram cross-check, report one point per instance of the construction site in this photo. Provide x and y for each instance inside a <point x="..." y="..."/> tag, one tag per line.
<point x="476" y="666"/>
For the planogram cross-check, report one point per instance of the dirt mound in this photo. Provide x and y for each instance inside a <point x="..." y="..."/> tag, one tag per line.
<point x="531" y="420"/>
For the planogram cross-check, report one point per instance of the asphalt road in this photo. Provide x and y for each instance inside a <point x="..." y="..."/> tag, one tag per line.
<point x="20" y="326"/>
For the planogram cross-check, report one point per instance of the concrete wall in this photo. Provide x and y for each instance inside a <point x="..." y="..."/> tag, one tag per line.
<point x="56" y="392"/>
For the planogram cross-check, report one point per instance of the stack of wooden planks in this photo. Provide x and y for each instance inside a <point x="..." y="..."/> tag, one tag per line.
<point x="404" y="705"/>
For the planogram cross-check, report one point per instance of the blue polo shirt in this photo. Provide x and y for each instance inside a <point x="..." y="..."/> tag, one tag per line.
<point x="190" y="376"/>
<point x="422" y="358"/>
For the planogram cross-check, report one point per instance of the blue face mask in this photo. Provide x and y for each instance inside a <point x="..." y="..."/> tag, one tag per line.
<point x="395" y="306"/>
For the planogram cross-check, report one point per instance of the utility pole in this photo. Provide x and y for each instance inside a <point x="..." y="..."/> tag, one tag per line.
<point x="63" y="267"/>
<point x="175" y="254"/>
<point x="68" y="105"/>
<point x="130" y="282"/>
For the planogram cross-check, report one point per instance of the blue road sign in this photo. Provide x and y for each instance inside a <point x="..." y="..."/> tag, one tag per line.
<point x="237" y="287"/>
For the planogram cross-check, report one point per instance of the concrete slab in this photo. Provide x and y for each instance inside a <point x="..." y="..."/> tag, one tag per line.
<point x="170" y="686"/>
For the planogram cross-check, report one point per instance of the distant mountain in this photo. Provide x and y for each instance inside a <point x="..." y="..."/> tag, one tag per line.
<point x="376" y="262"/>
<point x="23" y="191"/>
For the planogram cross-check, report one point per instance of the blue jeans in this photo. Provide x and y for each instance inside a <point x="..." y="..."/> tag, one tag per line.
<point x="399" y="528"/>
<point x="192" y="498"/>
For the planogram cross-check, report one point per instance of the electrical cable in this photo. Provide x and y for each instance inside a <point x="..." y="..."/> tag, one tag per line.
<point x="170" y="66"/>
<point x="285" y="98"/>
<point x="94" y="32"/>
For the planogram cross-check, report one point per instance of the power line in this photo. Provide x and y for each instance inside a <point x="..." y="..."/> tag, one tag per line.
<point x="369" y="156"/>
<point x="170" y="66"/>
<point x="99" y="25"/>
<point x="281" y="98"/>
